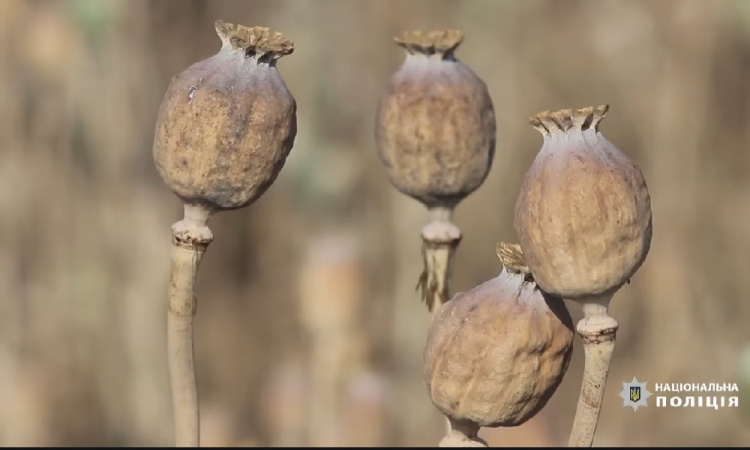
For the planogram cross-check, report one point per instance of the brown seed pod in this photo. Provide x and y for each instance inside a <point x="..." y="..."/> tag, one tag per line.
<point x="496" y="354"/>
<point x="223" y="132"/>
<point x="435" y="129"/>
<point x="435" y="134"/>
<point x="583" y="216"/>
<point x="227" y="123"/>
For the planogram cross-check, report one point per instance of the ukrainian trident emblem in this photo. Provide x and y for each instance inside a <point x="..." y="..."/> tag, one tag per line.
<point x="634" y="394"/>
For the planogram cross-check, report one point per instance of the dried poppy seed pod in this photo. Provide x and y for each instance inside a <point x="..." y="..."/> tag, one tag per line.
<point x="435" y="135"/>
<point x="496" y="354"/>
<point x="227" y="123"/>
<point x="223" y="132"/>
<point x="436" y="124"/>
<point x="583" y="218"/>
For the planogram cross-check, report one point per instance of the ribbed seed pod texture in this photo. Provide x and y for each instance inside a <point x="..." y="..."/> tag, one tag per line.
<point x="583" y="215"/>
<point x="227" y="123"/>
<point x="496" y="354"/>
<point x="435" y="130"/>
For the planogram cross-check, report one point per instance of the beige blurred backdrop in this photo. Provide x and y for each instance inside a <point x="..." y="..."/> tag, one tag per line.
<point x="309" y="330"/>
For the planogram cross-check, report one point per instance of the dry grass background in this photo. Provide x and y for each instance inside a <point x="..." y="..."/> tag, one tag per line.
<point x="309" y="331"/>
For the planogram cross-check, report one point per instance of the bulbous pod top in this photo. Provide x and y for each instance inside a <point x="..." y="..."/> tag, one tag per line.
<point x="583" y="216"/>
<point x="435" y="129"/>
<point x="227" y="123"/>
<point x="496" y="354"/>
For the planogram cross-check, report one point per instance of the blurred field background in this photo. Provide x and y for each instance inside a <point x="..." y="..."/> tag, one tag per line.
<point x="309" y="331"/>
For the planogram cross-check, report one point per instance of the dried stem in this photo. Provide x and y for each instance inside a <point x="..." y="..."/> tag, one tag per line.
<point x="190" y="238"/>
<point x="440" y="238"/>
<point x="597" y="330"/>
<point x="462" y="434"/>
<point x="330" y="294"/>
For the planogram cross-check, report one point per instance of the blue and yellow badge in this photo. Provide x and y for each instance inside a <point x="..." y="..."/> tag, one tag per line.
<point x="634" y="394"/>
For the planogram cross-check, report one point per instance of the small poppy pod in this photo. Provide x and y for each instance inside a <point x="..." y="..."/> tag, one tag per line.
<point x="435" y="130"/>
<point x="227" y="123"/>
<point x="583" y="216"/>
<point x="496" y="354"/>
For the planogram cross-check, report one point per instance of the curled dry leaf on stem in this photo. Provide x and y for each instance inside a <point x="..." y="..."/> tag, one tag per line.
<point x="440" y="238"/>
<point x="223" y="132"/>
<point x="496" y="353"/>
<point x="435" y="135"/>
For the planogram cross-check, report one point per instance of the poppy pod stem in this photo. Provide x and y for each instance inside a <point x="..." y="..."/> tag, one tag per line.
<point x="440" y="238"/>
<point x="190" y="239"/>
<point x="224" y="130"/>
<point x="597" y="330"/>
<point x="583" y="217"/>
<point x="462" y="434"/>
<point x="435" y="134"/>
